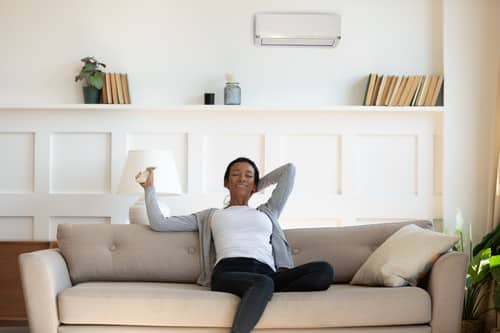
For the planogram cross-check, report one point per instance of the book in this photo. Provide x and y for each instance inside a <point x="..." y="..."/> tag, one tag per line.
<point x="119" y="88"/>
<point x="423" y="91"/>
<point x="108" y="88"/>
<point x="128" y="89"/>
<point x="419" y="87"/>
<point x="104" y="95"/>
<point x="406" y="91"/>
<point x="381" y="90"/>
<point x="388" y="91"/>
<point x="375" y="90"/>
<point x="402" y="88"/>
<point x="430" y="92"/>
<point x="124" y="88"/>
<point x="437" y="90"/>
<point x="114" y="92"/>
<point x="395" y="90"/>
<point x="370" y="85"/>
<point x="412" y="90"/>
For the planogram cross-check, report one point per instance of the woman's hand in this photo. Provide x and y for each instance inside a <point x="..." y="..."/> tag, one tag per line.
<point x="149" y="181"/>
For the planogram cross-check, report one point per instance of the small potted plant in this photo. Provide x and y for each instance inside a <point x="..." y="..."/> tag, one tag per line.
<point x="483" y="268"/>
<point x="93" y="77"/>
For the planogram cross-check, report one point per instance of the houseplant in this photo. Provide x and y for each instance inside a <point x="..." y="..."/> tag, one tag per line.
<point x="483" y="268"/>
<point x="91" y="73"/>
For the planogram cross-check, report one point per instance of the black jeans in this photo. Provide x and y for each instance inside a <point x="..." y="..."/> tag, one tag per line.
<point x="255" y="283"/>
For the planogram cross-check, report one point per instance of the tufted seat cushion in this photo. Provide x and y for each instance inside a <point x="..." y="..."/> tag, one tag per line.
<point x="190" y="305"/>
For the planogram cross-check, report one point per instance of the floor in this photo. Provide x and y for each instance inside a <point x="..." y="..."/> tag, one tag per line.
<point x="14" y="330"/>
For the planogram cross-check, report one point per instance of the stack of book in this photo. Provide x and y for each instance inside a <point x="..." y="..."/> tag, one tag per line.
<point x="392" y="90"/>
<point x="115" y="89"/>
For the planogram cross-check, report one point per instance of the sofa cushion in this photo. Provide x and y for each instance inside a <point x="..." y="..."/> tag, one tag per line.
<point x="128" y="252"/>
<point x="174" y="304"/>
<point x="346" y="248"/>
<point x="404" y="258"/>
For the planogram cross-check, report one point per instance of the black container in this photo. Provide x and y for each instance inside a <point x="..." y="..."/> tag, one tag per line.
<point x="209" y="98"/>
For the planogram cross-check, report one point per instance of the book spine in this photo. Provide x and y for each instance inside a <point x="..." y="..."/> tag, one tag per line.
<point x="114" y="88"/>
<point x="119" y="88"/>
<point x="369" y="87"/>
<point x="437" y="90"/>
<point x="430" y="92"/>
<point x="124" y="89"/>
<point x="108" y="88"/>
<point x="395" y="91"/>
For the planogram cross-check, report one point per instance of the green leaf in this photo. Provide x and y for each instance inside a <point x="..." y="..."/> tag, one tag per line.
<point x="495" y="267"/>
<point x="96" y="80"/>
<point x="491" y="240"/>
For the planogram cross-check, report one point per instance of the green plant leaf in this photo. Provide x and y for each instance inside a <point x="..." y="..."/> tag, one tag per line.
<point x="495" y="267"/>
<point x="490" y="240"/>
<point x="96" y="80"/>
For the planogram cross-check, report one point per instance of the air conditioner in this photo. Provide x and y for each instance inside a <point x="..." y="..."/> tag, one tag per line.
<point x="298" y="29"/>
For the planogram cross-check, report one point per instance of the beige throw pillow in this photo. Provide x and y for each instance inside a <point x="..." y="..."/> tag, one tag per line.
<point x="403" y="258"/>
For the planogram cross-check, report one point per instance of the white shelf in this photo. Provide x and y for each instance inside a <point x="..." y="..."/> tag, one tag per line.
<point x="218" y="108"/>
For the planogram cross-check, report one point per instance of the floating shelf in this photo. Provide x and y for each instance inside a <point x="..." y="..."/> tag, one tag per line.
<point x="218" y="108"/>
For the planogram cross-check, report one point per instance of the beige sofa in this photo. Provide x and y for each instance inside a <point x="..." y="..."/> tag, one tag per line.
<point x="130" y="279"/>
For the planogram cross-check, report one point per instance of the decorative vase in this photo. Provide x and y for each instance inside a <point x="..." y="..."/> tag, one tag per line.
<point x="472" y="326"/>
<point x="91" y="95"/>
<point x="232" y="93"/>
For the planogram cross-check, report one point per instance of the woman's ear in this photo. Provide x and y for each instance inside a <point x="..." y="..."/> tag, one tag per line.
<point x="225" y="184"/>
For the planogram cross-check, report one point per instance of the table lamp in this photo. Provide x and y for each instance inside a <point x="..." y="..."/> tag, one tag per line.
<point x="166" y="180"/>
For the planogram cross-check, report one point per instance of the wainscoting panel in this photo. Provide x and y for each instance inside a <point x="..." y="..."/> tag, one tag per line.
<point x="16" y="167"/>
<point x="387" y="165"/>
<point x="14" y="228"/>
<point x="354" y="164"/>
<point x="319" y="159"/>
<point x="80" y="163"/>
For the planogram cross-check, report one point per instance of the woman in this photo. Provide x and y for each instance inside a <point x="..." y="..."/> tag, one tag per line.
<point x="252" y="258"/>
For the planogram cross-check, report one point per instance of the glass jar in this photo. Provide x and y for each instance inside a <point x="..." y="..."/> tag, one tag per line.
<point x="232" y="93"/>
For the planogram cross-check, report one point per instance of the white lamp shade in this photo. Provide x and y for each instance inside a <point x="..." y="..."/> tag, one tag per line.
<point x="166" y="178"/>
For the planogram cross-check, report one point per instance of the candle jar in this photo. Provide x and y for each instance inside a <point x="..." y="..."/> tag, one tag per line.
<point x="232" y="93"/>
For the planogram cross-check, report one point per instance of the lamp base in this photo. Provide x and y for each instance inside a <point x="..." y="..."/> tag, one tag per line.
<point x="137" y="213"/>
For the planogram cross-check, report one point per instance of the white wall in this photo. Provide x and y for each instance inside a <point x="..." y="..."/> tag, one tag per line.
<point x="175" y="50"/>
<point x="471" y="54"/>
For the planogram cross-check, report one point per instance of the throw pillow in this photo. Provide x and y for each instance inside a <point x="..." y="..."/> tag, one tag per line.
<point x="403" y="258"/>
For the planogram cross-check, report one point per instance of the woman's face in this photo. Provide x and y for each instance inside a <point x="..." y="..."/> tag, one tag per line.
<point x="241" y="180"/>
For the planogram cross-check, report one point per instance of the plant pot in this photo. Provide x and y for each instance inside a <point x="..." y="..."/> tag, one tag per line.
<point x="472" y="326"/>
<point x="91" y="95"/>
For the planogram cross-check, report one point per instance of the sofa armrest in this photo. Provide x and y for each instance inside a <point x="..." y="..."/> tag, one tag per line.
<point x="446" y="288"/>
<point x="44" y="274"/>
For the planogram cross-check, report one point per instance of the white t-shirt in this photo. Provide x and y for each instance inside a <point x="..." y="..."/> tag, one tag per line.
<point x="242" y="231"/>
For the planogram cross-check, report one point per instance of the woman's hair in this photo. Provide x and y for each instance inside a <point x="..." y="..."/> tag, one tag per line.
<point x="247" y="160"/>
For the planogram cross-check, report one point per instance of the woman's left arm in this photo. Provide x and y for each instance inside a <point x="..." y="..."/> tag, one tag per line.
<point x="284" y="176"/>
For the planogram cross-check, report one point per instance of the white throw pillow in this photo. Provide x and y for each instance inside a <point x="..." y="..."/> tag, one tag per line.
<point x="404" y="258"/>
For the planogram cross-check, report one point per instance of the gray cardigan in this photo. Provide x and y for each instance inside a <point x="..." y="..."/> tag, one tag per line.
<point x="284" y="176"/>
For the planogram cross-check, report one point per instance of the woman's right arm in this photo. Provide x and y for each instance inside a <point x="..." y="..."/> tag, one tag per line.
<point x="159" y="222"/>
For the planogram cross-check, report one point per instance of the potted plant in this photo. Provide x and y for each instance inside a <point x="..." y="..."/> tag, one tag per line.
<point x="483" y="268"/>
<point x="93" y="77"/>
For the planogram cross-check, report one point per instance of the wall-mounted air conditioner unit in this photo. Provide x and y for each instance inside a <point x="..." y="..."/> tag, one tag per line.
<point x="298" y="29"/>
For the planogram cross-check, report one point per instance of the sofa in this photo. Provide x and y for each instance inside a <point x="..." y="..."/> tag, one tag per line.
<point x="128" y="278"/>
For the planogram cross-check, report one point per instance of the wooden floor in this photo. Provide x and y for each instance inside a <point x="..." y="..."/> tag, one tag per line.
<point x="14" y="330"/>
